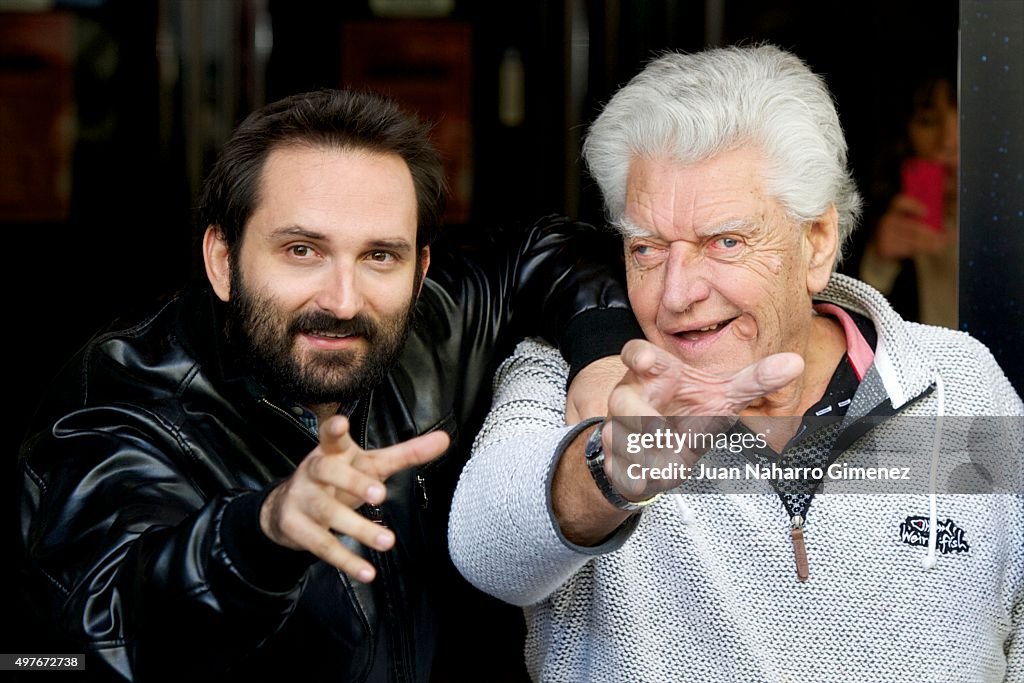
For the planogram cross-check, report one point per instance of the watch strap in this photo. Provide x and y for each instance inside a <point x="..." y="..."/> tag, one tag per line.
<point x="594" y="452"/>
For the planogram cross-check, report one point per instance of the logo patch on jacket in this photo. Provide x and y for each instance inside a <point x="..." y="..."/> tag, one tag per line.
<point x="950" y="538"/>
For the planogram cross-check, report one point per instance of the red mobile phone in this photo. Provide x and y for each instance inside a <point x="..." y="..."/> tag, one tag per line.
<point x="923" y="180"/>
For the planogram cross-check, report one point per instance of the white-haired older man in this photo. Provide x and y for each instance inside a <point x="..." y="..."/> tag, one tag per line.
<point x="766" y="383"/>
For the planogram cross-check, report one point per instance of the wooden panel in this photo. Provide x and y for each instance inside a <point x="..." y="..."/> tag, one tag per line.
<point x="427" y="67"/>
<point x="36" y="116"/>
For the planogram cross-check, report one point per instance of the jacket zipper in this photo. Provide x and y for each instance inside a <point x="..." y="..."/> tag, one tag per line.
<point x="376" y="515"/>
<point x="291" y="419"/>
<point x="842" y="441"/>
<point x="399" y="637"/>
<point x="796" y="534"/>
<point x="399" y="643"/>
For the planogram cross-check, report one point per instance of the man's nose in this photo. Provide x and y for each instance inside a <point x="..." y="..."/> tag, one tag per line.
<point x="340" y="292"/>
<point x="686" y="278"/>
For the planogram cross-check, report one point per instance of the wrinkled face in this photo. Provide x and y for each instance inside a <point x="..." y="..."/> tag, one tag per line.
<point x="717" y="273"/>
<point x="326" y="273"/>
<point x="934" y="128"/>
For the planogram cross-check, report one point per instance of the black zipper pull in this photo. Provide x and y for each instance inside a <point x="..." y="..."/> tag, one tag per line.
<point x="796" y="534"/>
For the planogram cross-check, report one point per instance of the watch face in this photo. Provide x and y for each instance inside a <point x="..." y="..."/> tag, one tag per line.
<point x="594" y="447"/>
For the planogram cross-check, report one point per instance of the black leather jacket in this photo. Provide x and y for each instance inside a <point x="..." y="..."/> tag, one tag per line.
<point x="143" y="477"/>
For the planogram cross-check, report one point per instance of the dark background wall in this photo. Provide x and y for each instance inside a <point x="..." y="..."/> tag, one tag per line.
<point x="120" y="117"/>
<point x="155" y="87"/>
<point x="992" y="179"/>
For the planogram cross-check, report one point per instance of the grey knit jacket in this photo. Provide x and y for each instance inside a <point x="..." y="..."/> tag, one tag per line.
<point x="916" y="582"/>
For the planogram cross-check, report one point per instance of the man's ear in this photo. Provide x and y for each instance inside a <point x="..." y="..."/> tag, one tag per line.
<point x="424" y="265"/>
<point x="217" y="257"/>
<point x="823" y="249"/>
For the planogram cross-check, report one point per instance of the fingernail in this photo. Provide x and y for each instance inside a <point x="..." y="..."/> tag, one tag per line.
<point x="375" y="493"/>
<point x="384" y="541"/>
<point x="365" y="575"/>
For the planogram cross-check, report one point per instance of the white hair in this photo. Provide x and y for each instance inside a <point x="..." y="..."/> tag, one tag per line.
<point x="692" y="107"/>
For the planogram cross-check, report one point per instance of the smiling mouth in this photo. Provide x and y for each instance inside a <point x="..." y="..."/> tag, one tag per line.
<point x="323" y="339"/>
<point x="331" y="335"/>
<point x="701" y="333"/>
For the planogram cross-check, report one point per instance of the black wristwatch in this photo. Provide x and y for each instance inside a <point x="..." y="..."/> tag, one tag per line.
<point x="594" y="452"/>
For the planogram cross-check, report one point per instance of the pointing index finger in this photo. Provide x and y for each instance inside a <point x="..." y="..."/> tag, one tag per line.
<point x="415" y="451"/>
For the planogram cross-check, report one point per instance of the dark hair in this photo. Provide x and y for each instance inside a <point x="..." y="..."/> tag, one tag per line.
<point x="342" y="119"/>
<point x="925" y="92"/>
<point x="916" y="88"/>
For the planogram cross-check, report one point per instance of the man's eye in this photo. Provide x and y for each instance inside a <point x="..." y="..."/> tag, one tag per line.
<point x="382" y="256"/>
<point x="301" y="250"/>
<point x="728" y="242"/>
<point x="646" y="250"/>
<point x="647" y="254"/>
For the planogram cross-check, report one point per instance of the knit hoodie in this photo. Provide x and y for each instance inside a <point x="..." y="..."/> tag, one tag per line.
<point x="919" y="581"/>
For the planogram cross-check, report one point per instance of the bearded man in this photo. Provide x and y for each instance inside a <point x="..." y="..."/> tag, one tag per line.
<point x="242" y="486"/>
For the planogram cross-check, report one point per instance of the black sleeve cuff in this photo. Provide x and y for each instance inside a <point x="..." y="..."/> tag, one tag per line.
<point x="597" y="333"/>
<point x="259" y="560"/>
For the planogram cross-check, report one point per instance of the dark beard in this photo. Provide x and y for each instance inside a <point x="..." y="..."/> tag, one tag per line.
<point x="265" y="344"/>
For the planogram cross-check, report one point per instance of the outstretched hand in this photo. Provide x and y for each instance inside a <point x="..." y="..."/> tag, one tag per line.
<point x="322" y="495"/>
<point x="660" y="385"/>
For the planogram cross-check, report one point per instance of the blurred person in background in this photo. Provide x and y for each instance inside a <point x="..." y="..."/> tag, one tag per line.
<point x="910" y="253"/>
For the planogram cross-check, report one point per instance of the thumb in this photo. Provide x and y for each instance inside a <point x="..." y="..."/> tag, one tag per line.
<point x="763" y="377"/>
<point x="646" y="359"/>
